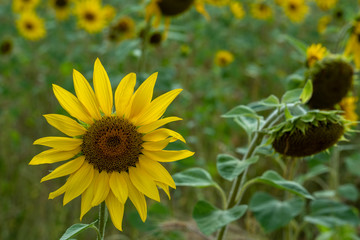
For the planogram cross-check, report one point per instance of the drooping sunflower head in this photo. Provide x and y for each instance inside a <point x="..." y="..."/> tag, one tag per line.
<point x="114" y="148"/>
<point x="62" y="8"/>
<point x="6" y="47"/>
<point x="124" y="28"/>
<point x="172" y="8"/>
<point x="308" y="134"/>
<point x="323" y="23"/>
<point x="295" y="10"/>
<point x="326" y="4"/>
<point x="19" y="6"/>
<point x="314" y="53"/>
<point x="91" y="15"/>
<point x="348" y="105"/>
<point x="223" y="58"/>
<point x="261" y="10"/>
<point x="332" y="79"/>
<point x="237" y="9"/>
<point x="31" y="26"/>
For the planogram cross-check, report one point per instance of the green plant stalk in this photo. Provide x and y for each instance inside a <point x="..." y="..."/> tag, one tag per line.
<point x="334" y="171"/>
<point x="103" y="216"/>
<point x="222" y="195"/>
<point x="144" y="45"/>
<point x="234" y="195"/>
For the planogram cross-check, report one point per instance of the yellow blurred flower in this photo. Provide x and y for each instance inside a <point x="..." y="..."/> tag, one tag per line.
<point x="261" y="10"/>
<point x="62" y="8"/>
<point x="124" y="28"/>
<point x="326" y="4"/>
<point x="295" y="10"/>
<point x="91" y="15"/>
<point x="24" y="5"/>
<point x="314" y="53"/>
<point x="218" y="3"/>
<point x="322" y="24"/>
<point x="31" y="26"/>
<point x="109" y="12"/>
<point x="353" y="45"/>
<point x="223" y="58"/>
<point x="280" y="2"/>
<point x="348" y="105"/>
<point x="237" y="9"/>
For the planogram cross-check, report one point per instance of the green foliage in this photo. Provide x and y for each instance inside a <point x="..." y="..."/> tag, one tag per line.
<point x="76" y="229"/>
<point x="194" y="177"/>
<point x="230" y="167"/>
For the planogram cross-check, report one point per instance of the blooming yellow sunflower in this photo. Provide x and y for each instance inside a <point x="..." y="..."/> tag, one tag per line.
<point x="124" y="28"/>
<point x="326" y="4"/>
<point x="24" y="5"/>
<point x="62" y="8"/>
<point x="314" y="53"/>
<point x="112" y="156"/>
<point x="348" y="105"/>
<point x="295" y="10"/>
<point x="237" y="9"/>
<point x="261" y="10"/>
<point x="322" y="24"/>
<point x="91" y="15"/>
<point x="31" y="26"/>
<point x="353" y="44"/>
<point x="223" y="58"/>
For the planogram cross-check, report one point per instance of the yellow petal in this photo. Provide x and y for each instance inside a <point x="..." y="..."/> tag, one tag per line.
<point x="137" y="198"/>
<point x="164" y="187"/>
<point x="60" y="143"/>
<point x="156" y="146"/>
<point x="86" y="95"/>
<point x="116" y="210"/>
<point x="156" y="171"/>
<point x="152" y="126"/>
<point x="65" y="169"/>
<point x="78" y="182"/>
<point x="118" y="186"/>
<point x="156" y="108"/>
<point x="124" y="92"/>
<point x="86" y="198"/>
<point x="167" y="155"/>
<point x="161" y="134"/>
<point x="101" y="188"/>
<point x="58" y="192"/>
<point x="143" y="95"/>
<point x="65" y="124"/>
<point x="102" y="88"/>
<point x="71" y="104"/>
<point x="53" y="156"/>
<point x="144" y="183"/>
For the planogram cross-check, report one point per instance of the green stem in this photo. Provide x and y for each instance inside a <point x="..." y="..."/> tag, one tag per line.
<point x="144" y="45"/>
<point x="103" y="216"/>
<point x="222" y="195"/>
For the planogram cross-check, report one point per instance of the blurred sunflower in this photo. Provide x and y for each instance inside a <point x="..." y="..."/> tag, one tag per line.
<point x="31" y="26"/>
<point x="109" y="12"/>
<point x="6" y="47"/>
<point x="295" y="10"/>
<point x="261" y="10"/>
<point x="219" y="3"/>
<point x="223" y="58"/>
<point x="353" y="44"/>
<point x="62" y="8"/>
<point x="113" y="155"/>
<point x="124" y="28"/>
<point x="314" y="53"/>
<point x="156" y="38"/>
<point x="322" y="24"/>
<point x="24" y="5"/>
<point x="348" y="105"/>
<point x="91" y="15"/>
<point x="326" y="4"/>
<point x="237" y="9"/>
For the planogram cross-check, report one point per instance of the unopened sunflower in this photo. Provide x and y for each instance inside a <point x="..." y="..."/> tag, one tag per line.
<point x="295" y="10"/>
<point x="308" y="134"/>
<point x="112" y="155"/>
<point x="326" y="4"/>
<point x="62" y="8"/>
<point x="223" y="58"/>
<point x="261" y="10"/>
<point x="91" y="15"/>
<point x="237" y="9"/>
<point x="24" y="5"/>
<point x="353" y="44"/>
<point x="332" y="79"/>
<point x="314" y="53"/>
<point x="31" y="26"/>
<point x="348" y="105"/>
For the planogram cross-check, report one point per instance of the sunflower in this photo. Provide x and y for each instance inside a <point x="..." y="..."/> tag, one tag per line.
<point x="6" y="47"/>
<point x="237" y="9"/>
<point x="62" y="8"/>
<point x="322" y="24"/>
<point x="109" y="12"/>
<point x="353" y="44"/>
<point x="223" y="58"/>
<point x="219" y="3"/>
<point x="31" y="26"/>
<point x="91" y="15"/>
<point x="326" y="4"/>
<point x="348" y="105"/>
<point x="124" y="28"/>
<point x="295" y="10"/>
<point x="24" y="5"/>
<point x="261" y="10"/>
<point x="314" y="53"/>
<point x="113" y="155"/>
<point x="156" y="38"/>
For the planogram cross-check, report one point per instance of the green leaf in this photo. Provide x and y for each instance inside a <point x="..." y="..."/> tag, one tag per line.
<point x="272" y="213"/>
<point x="287" y="113"/>
<point x="297" y="44"/>
<point x="230" y="167"/>
<point x="313" y="172"/>
<point x="76" y="229"/>
<point x="307" y="92"/>
<point x="249" y="125"/>
<point x="291" y="96"/>
<point x="349" y="191"/>
<point x="193" y="177"/>
<point x="274" y="179"/>
<point x="353" y="164"/>
<point x="240" y="110"/>
<point x="209" y="218"/>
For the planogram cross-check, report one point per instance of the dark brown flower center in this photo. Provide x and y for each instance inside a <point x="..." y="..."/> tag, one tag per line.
<point x="6" y="47"/>
<point x="263" y="7"/>
<point x="112" y="144"/>
<point x="122" y="26"/>
<point x="292" y="7"/>
<point x="29" y="26"/>
<point x="89" y="16"/>
<point x="61" y="3"/>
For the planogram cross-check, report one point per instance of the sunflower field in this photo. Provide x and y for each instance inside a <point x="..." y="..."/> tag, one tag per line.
<point x="179" y="119"/>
